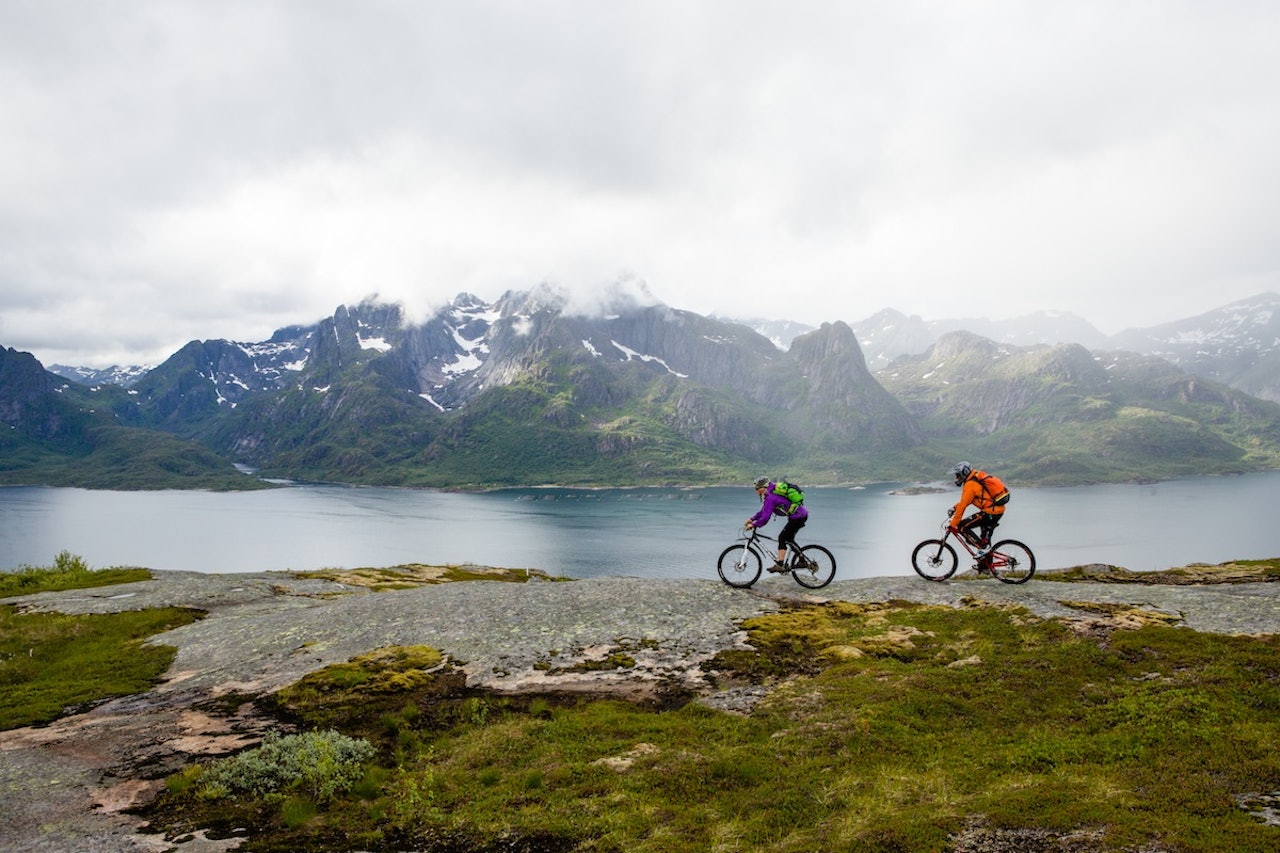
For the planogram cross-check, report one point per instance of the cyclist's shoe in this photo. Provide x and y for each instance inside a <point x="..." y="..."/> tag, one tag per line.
<point x="982" y="552"/>
<point x="778" y="567"/>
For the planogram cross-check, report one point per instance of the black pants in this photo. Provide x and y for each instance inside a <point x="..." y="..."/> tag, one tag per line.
<point x="985" y="524"/>
<point x="789" y="530"/>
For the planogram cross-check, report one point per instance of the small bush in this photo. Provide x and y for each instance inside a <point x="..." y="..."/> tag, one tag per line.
<point x="68" y="562"/>
<point x="318" y="764"/>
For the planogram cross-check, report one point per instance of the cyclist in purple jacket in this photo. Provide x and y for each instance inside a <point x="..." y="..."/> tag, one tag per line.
<point x="771" y="504"/>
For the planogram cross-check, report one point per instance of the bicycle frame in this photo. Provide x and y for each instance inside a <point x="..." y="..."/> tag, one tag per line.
<point x="1008" y="560"/>
<point x="811" y="566"/>
<point x="753" y="538"/>
<point x="948" y="530"/>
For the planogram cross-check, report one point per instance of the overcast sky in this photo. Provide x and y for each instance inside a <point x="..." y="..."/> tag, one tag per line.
<point x="179" y="170"/>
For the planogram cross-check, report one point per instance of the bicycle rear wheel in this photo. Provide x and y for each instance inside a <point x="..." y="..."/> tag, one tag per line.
<point x="934" y="560"/>
<point x="739" y="566"/>
<point x="813" y="567"/>
<point x="1011" y="561"/>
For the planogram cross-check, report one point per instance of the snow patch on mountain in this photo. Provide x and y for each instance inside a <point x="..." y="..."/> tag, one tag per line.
<point x="633" y="355"/>
<point x="379" y="344"/>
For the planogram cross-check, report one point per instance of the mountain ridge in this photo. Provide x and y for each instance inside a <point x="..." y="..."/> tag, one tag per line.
<point x="528" y="390"/>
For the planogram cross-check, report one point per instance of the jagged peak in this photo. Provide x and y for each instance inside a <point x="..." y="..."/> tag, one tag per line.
<point x="467" y="302"/>
<point x="545" y="297"/>
<point x="831" y="337"/>
<point x="831" y="341"/>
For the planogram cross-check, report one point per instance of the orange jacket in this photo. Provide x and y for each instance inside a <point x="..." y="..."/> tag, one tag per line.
<point x="973" y="492"/>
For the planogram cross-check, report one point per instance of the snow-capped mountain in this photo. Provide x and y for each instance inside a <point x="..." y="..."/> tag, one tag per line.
<point x="531" y="379"/>
<point x="1237" y="344"/>
<point x="124" y="376"/>
<point x="529" y="389"/>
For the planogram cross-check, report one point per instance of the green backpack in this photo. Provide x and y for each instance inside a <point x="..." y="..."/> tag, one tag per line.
<point x="791" y="492"/>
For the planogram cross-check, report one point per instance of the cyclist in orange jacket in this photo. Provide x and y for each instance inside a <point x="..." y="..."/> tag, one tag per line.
<point x="988" y="496"/>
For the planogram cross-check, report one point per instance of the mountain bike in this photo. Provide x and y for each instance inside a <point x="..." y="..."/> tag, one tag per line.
<point x="1009" y="560"/>
<point x="812" y="566"/>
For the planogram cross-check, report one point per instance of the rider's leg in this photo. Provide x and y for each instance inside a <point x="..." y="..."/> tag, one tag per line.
<point x="788" y="536"/>
<point x="986" y="525"/>
<point x="989" y="523"/>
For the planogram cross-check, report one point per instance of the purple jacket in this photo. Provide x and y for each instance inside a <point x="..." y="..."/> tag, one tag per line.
<point x="775" y="505"/>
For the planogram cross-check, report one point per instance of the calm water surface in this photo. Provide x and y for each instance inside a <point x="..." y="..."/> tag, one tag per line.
<point x="634" y="532"/>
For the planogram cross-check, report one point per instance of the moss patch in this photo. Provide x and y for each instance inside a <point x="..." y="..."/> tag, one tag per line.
<point x="417" y="574"/>
<point x="1234" y="571"/>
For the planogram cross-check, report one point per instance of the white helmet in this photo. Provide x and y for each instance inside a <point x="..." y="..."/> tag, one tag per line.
<point x="961" y="472"/>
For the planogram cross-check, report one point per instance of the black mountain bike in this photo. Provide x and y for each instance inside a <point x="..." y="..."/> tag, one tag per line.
<point x="1009" y="560"/>
<point x="812" y="566"/>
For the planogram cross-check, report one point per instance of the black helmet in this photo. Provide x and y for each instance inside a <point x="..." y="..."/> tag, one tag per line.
<point x="761" y="482"/>
<point x="961" y="471"/>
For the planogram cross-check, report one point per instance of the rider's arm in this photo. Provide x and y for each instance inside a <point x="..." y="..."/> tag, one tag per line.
<point x="967" y="494"/>
<point x="761" y="518"/>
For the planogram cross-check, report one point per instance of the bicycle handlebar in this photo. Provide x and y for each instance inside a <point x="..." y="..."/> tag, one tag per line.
<point x="749" y="533"/>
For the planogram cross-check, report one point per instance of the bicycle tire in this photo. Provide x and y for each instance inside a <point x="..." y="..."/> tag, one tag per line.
<point x="739" y="566"/>
<point x="820" y="568"/>
<point x="934" y="560"/>
<point x="1011" y="561"/>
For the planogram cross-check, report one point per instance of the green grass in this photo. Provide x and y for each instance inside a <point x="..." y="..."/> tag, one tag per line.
<point x="50" y="662"/>
<point x="67" y="572"/>
<point x="888" y="728"/>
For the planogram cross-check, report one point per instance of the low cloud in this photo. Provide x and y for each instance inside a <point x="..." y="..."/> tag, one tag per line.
<point x="180" y="170"/>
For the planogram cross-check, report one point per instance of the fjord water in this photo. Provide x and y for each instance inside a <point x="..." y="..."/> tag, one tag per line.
<point x="625" y="532"/>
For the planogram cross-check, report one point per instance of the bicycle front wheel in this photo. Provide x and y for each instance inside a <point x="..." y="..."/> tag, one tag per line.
<point x="739" y="566"/>
<point x="1011" y="561"/>
<point x="813" y="567"/>
<point x="934" y="560"/>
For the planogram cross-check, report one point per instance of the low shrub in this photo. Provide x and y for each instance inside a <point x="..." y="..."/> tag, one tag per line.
<point x="319" y="765"/>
